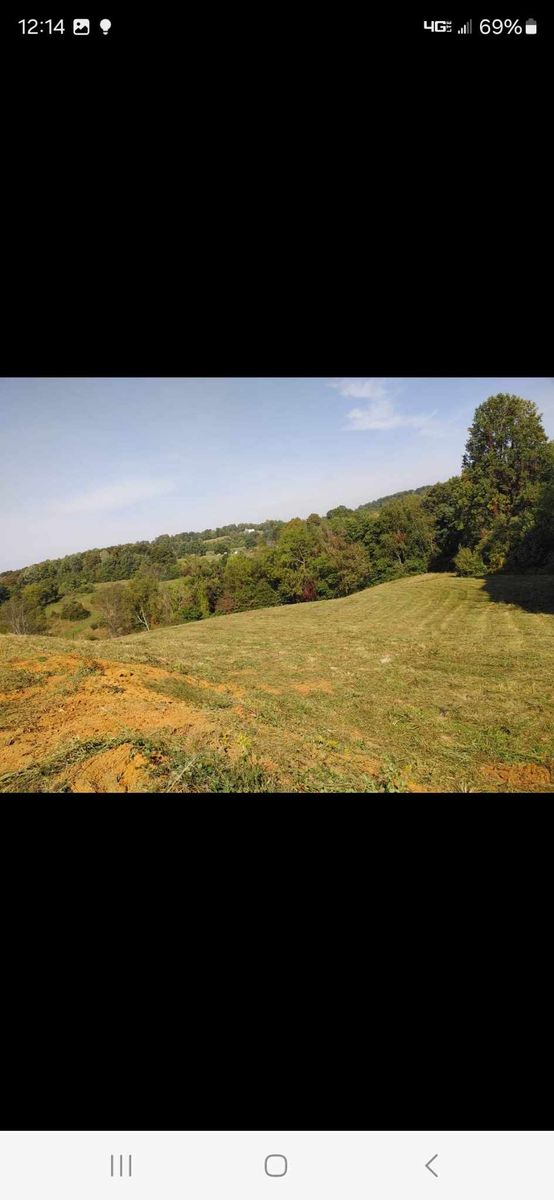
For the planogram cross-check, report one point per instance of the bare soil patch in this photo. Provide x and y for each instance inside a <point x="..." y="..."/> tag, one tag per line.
<point x="520" y="775"/>
<point x="318" y="685"/>
<point x="99" y="698"/>
<point x="117" y="770"/>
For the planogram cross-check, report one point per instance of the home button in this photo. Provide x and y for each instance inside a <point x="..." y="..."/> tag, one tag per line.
<point x="276" y="1164"/>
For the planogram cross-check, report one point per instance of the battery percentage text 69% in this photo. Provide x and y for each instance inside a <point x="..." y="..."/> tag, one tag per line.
<point x="498" y="26"/>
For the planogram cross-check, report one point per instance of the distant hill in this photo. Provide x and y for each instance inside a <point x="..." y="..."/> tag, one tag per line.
<point x="120" y="561"/>
<point x="420" y="491"/>
<point x="107" y="563"/>
<point x="342" y="509"/>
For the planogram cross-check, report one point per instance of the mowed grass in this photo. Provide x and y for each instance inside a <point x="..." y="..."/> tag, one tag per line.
<point x="422" y="684"/>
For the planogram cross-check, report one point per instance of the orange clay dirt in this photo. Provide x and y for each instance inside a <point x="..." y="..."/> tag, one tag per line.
<point x="67" y="700"/>
<point x="519" y="775"/>
<point x="116" y="770"/>
<point x="106" y="698"/>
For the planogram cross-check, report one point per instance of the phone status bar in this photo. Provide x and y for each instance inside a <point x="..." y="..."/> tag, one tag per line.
<point x="484" y="26"/>
<point x="190" y="28"/>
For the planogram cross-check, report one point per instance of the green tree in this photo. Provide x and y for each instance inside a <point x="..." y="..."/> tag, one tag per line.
<point x="506" y="462"/>
<point x="142" y="597"/>
<point x="469" y="562"/>
<point x="535" y="550"/>
<point x="239" y="581"/>
<point x="91" y="563"/>
<point x="41" y="594"/>
<point x="294" y="557"/>
<point x="342" y="567"/>
<point x="263" y="595"/>
<point x="399" y="539"/>
<point x="270" y="531"/>
<point x="340" y="511"/>
<point x="114" y="610"/>
<point x="22" y="615"/>
<point x="162" y="558"/>
<point x="507" y="444"/>
<point x="447" y="503"/>
<point x="297" y="543"/>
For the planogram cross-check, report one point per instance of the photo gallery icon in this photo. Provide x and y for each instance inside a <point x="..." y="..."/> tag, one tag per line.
<point x="81" y="25"/>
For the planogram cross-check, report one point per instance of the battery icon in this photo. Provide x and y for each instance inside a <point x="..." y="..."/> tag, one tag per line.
<point x="530" y="26"/>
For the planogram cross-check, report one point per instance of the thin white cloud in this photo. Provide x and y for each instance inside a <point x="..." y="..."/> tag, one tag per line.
<point x="381" y="411"/>
<point x="114" y="496"/>
<point x="381" y="414"/>
<point x="363" y="389"/>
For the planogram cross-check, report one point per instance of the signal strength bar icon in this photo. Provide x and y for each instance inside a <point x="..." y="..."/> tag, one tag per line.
<point x="467" y="28"/>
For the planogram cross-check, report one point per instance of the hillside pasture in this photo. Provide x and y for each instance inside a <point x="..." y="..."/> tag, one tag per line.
<point x="425" y="684"/>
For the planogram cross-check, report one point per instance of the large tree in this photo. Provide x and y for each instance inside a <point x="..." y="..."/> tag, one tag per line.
<point x="507" y="443"/>
<point x="505" y="462"/>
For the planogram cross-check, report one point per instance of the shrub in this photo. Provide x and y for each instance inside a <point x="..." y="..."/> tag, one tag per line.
<point x="41" y="594"/>
<point x="264" y="596"/>
<point x="225" y="604"/>
<point x="74" y="611"/>
<point x="469" y="562"/>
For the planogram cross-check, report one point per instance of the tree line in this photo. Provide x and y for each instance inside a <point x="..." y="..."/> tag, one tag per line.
<point x="496" y="515"/>
<point x="81" y="571"/>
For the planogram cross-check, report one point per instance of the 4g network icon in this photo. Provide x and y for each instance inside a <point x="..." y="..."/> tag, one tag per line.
<point x="438" y="26"/>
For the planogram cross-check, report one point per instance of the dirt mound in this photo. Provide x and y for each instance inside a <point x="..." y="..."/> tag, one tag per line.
<point x="88" y="699"/>
<point x="116" y="770"/>
<point x="520" y="775"/>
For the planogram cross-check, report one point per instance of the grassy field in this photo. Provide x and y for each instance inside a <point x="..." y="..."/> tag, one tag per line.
<point x="427" y="684"/>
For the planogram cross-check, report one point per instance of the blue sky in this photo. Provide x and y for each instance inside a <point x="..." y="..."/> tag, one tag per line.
<point x="94" y="462"/>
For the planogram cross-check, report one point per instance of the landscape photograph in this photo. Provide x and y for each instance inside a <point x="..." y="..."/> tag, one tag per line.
<point x="277" y="585"/>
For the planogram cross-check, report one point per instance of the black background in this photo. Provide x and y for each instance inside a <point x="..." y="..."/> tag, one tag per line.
<point x="244" y="192"/>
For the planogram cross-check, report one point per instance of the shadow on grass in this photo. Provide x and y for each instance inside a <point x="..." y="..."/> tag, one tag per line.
<point x="534" y="593"/>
